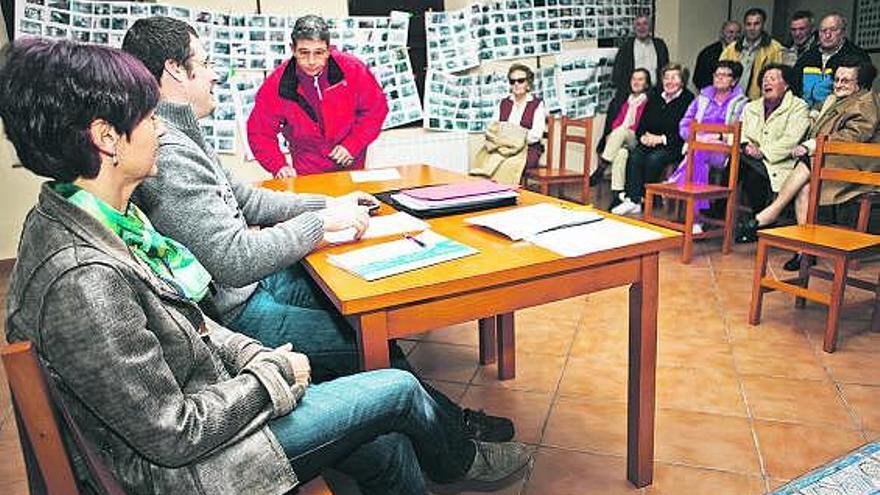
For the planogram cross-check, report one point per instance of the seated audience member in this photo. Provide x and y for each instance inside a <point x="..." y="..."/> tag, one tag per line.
<point x="803" y="37"/>
<point x="730" y="33"/>
<point x="771" y="127"/>
<point x="619" y="136"/>
<point x="261" y="289"/>
<point x="851" y="114"/>
<point x="642" y="51"/>
<point x="659" y="143"/>
<point x="513" y="140"/>
<point x="174" y="402"/>
<point x="813" y="71"/>
<point x="754" y="50"/>
<point x="720" y="103"/>
<point x="325" y="103"/>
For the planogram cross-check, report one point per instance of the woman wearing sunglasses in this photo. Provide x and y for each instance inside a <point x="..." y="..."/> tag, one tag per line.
<point x="513" y="138"/>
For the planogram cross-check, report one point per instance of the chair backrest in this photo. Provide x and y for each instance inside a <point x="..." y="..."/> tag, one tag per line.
<point x="732" y="133"/>
<point x="40" y="414"/>
<point x="565" y="124"/>
<point x="819" y="172"/>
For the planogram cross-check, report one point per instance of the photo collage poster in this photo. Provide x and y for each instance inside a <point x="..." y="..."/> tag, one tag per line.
<point x="219" y="128"/>
<point x="236" y="43"/>
<point x="867" y="24"/>
<point x="504" y="29"/>
<point x="578" y="85"/>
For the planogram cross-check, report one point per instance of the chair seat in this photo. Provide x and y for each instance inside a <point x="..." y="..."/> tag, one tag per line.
<point x="544" y="173"/>
<point x="696" y="190"/>
<point x="826" y="236"/>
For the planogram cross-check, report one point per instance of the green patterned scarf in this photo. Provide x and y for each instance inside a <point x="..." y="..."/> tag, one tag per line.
<point x="168" y="259"/>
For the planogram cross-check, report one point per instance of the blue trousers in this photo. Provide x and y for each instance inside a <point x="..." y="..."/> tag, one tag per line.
<point x="380" y="427"/>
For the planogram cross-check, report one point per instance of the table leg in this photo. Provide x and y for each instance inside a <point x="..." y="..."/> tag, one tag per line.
<point x="642" y="367"/>
<point x="506" y="346"/>
<point x="487" y="340"/>
<point x="372" y="338"/>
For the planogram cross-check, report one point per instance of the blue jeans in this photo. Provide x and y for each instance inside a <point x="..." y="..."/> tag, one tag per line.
<point x="380" y="427"/>
<point x="288" y="307"/>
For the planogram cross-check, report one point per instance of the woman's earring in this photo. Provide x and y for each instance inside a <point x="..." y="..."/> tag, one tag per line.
<point x="115" y="158"/>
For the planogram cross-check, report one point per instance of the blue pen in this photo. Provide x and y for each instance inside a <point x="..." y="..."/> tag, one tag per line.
<point x="417" y="241"/>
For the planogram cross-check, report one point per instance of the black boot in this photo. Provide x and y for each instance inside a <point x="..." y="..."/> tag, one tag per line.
<point x="794" y="264"/>
<point x="485" y="428"/>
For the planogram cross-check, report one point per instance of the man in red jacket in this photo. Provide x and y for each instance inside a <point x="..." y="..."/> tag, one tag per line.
<point x="325" y="103"/>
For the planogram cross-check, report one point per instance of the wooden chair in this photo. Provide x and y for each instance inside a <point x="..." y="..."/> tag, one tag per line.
<point x="39" y="414"/>
<point x="839" y="244"/>
<point x="551" y="174"/>
<point x="690" y="193"/>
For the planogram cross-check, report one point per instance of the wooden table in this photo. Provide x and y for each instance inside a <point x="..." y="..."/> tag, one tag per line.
<point x="489" y="286"/>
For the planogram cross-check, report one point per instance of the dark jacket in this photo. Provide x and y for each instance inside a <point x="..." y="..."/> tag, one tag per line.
<point x="624" y="64"/>
<point x="705" y="62"/>
<point x="662" y="118"/>
<point x="151" y="383"/>
<point x="812" y="81"/>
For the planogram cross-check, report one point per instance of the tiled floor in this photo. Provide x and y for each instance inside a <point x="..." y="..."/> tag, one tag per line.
<point x="741" y="409"/>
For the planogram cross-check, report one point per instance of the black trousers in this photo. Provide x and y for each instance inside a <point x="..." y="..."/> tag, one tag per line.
<point x="755" y="180"/>
<point x="644" y="166"/>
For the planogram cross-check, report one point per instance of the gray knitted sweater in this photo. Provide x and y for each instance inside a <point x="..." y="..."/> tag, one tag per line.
<point x="197" y="202"/>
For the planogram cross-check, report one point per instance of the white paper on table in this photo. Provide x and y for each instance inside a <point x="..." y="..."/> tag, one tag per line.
<point x="377" y="174"/>
<point x="396" y="223"/>
<point x="526" y="221"/>
<point x="593" y="237"/>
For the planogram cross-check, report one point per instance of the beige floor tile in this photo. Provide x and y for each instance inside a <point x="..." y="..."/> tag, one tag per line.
<point x="790" y="450"/>
<point x="537" y="335"/>
<point x="799" y="401"/>
<point x="587" y="426"/>
<point x="848" y="366"/>
<point x="593" y="380"/>
<point x="865" y="401"/>
<point x="462" y="334"/>
<point x="12" y="468"/>
<point x="451" y="363"/>
<point x="560" y="472"/>
<point x="713" y="390"/>
<point x="706" y="440"/>
<point x="19" y="487"/>
<point x="684" y="480"/>
<point x="534" y="372"/>
<point x="769" y="358"/>
<point x="694" y="353"/>
<point x="528" y="410"/>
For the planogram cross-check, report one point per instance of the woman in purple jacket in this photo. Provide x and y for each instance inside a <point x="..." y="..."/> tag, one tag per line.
<point x="720" y="103"/>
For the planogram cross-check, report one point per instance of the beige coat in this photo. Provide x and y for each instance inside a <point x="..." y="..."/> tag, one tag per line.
<point x="777" y="135"/>
<point x="852" y="119"/>
<point x="503" y="156"/>
<point x="771" y="53"/>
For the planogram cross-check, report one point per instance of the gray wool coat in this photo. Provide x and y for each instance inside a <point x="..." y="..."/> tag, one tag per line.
<point x="163" y="393"/>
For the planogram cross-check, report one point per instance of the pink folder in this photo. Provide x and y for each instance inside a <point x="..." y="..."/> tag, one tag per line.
<point x="457" y="190"/>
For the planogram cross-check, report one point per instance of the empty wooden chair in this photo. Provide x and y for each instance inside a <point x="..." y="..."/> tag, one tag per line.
<point x="690" y="193"/>
<point x="839" y="244"/>
<point x="558" y="174"/>
<point x="40" y="415"/>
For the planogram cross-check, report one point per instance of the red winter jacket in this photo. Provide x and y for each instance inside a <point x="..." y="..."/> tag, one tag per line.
<point x="353" y="110"/>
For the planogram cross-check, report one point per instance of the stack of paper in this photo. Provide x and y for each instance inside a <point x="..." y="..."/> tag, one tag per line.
<point x="410" y="253"/>
<point x="529" y="221"/>
<point x="468" y="194"/>
<point x="381" y="226"/>
<point x="594" y="237"/>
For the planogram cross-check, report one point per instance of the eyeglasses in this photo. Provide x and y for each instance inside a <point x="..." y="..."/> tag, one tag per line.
<point x="207" y="63"/>
<point x="517" y="80"/>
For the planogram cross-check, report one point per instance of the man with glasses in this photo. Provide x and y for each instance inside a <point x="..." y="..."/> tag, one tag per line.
<point x="813" y="74"/>
<point x="325" y="103"/>
<point x="261" y="289"/>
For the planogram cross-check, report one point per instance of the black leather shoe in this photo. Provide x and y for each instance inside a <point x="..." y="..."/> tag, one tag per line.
<point x="794" y="264"/>
<point x="486" y="428"/>
<point x="747" y="230"/>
